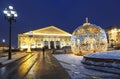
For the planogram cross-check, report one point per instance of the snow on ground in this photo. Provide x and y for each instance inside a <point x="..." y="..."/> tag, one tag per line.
<point x="4" y="60"/>
<point x="76" y="70"/>
<point x="105" y="61"/>
<point x="106" y="55"/>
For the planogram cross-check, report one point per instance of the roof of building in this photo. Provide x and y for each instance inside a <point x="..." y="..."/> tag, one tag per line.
<point x="112" y="27"/>
<point x="50" y="30"/>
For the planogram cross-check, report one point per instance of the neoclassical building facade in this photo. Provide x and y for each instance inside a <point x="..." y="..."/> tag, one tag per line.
<point x="50" y="37"/>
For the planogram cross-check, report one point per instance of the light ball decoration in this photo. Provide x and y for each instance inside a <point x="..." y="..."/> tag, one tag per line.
<point x="88" y="38"/>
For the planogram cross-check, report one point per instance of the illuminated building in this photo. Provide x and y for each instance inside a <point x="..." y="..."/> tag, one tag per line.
<point x="50" y="37"/>
<point x="88" y="38"/>
<point x="113" y="36"/>
<point x="3" y="47"/>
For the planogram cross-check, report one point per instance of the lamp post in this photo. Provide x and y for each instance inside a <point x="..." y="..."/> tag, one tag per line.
<point x="3" y="44"/>
<point x="10" y="15"/>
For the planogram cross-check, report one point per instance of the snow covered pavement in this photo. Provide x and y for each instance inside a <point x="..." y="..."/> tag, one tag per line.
<point x="4" y="60"/>
<point x="76" y="70"/>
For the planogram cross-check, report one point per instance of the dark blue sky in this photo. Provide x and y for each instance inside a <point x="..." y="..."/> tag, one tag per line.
<point x="65" y="14"/>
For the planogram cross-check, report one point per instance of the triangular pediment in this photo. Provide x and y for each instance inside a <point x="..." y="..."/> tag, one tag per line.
<point x="50" y="30"/>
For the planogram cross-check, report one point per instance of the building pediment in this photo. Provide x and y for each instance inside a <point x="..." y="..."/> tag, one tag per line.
<point x="50" y="30"/>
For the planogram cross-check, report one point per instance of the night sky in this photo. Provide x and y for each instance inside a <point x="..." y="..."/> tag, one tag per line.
<point x="65" y="14"/>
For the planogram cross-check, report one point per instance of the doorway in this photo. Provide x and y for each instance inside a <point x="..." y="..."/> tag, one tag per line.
<point x="52" y="44"/>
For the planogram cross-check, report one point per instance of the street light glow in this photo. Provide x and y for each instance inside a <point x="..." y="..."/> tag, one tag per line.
<point x="10" y="7"/>
<point x="15" y="15"/>
<point x="5" y="11"/>
<point x="8" y="15"/>
<point x="3" y="40"/>
<point x="12" y="12"/>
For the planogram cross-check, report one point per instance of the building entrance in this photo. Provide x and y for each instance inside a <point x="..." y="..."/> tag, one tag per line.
<point x="52" y="44"/>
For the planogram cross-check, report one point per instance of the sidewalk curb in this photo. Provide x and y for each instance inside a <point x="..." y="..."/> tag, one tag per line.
<point x="1" y="65"/>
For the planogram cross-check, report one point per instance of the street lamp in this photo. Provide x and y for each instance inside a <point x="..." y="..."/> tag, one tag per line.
<point x="10" y="15"/>
<point x="3" y="44"/>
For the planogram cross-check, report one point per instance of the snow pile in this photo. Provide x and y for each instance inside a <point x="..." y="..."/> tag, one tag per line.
<point x="105" y="61"/>
<point x="76" y="70"/>
<point x="105" y="55"/>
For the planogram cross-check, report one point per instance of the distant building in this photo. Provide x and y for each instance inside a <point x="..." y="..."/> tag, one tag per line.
<point x="3" y="47"/>
<point x="50" y="37"/>
<point x="113" y="36"/>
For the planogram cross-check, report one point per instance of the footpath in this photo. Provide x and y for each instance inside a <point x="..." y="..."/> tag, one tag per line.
<point x="39" y="66"/>
<point x="4" y="60"/>
<point x="47" y="67"/>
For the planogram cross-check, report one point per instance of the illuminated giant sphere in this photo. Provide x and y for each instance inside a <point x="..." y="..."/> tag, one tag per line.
<point x="88" y="38"/>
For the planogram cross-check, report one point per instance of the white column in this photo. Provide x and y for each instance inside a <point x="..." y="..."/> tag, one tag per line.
<point x="49" y="44"/>
<point x="54" y="44"/>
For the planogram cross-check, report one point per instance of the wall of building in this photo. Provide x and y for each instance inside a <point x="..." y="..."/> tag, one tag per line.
<point x="39" y="41"/>
<point x="114" y="37"/>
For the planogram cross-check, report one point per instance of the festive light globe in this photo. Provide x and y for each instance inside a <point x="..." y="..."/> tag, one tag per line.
<point x="88" y="38"/>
